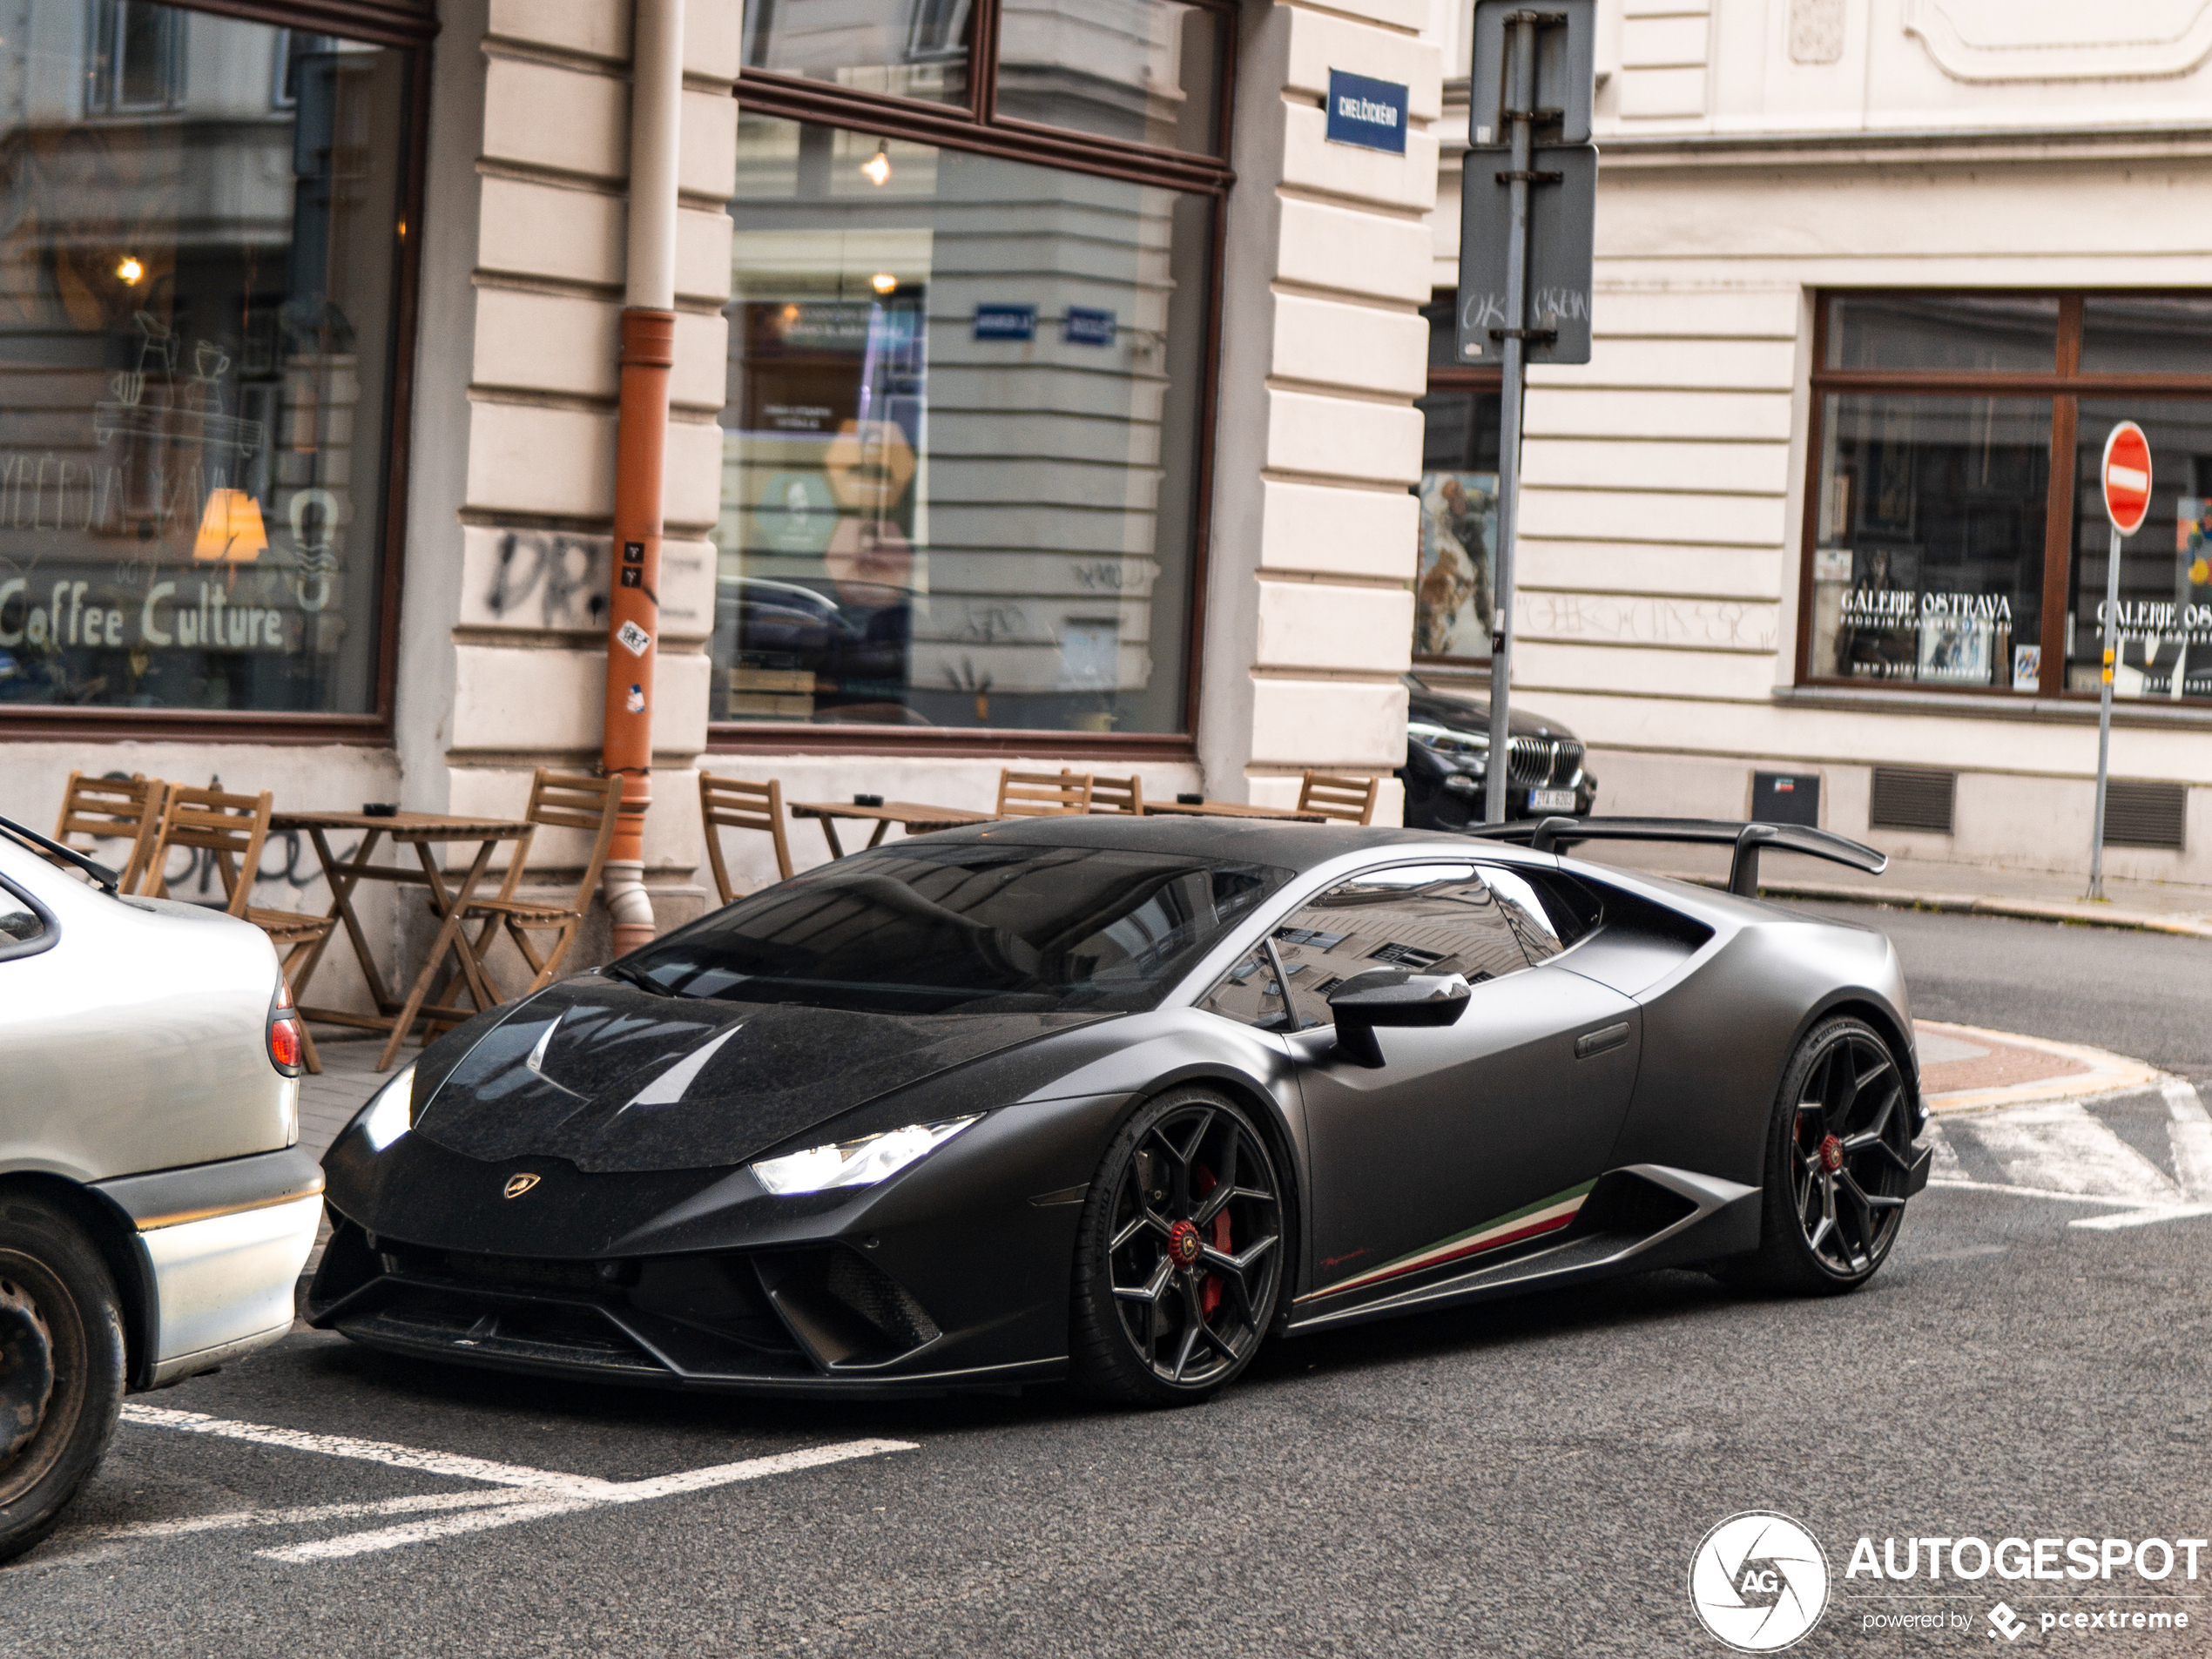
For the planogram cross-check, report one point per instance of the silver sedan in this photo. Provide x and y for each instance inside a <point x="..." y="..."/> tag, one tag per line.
<point x="154" y="1210"/>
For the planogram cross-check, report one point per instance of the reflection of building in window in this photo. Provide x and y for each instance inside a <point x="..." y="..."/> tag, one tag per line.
<point x="137" y="60"/>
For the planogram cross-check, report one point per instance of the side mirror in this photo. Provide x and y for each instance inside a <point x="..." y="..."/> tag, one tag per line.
<point x="1391" y="997"/>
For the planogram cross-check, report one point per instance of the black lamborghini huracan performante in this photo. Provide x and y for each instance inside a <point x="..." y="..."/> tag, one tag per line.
<point x="1116" y="1099"/>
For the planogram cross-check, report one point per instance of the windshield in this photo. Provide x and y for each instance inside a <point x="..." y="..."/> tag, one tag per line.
<point x="917" y="928"/>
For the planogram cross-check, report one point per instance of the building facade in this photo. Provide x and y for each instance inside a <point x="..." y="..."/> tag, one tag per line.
<point x="1874" y="280"/>
<point x="1044" y="396"/>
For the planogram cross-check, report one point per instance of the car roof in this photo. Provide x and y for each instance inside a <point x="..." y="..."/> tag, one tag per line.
<point x="1284" y="845"/>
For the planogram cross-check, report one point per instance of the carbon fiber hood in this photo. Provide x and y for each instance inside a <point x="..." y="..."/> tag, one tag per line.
<point x="617" y="1080"/>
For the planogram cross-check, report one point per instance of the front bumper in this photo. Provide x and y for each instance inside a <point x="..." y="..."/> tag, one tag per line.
<point x="812" y="1320"/>
<point x="220" y="1249"/>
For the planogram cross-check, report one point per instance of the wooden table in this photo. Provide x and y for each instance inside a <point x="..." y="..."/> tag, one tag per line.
<point x="420" y="830"/>
<point x="911" y="816"/>
<point x="1231" y="809"/>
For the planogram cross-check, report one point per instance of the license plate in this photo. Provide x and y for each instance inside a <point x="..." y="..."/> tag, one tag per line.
<point x="1551" y="800"/>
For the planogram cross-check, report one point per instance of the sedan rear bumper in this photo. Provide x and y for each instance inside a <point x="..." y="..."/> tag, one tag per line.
<point x="221" y="1245"/>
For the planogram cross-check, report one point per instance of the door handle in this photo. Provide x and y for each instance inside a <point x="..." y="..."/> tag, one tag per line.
<point x="1603" y="1040"/>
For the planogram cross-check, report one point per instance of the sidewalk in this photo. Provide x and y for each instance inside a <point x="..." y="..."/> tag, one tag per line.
<point x="1929" y="884"/>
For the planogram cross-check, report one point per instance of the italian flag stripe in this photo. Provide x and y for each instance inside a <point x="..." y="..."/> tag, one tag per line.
<point x="1546" y="1215"/>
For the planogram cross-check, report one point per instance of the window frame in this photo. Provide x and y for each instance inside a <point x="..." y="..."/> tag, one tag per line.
<point x="2064" y="384"/>
<point x="49" y="934"/>
<point x="410" y="26"/>
<point x="978" y="128"/>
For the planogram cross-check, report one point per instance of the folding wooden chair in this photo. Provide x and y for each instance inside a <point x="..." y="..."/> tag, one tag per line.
<point x="733" y="803"/>
<point x="1120" y="797"/>
<point x="1042" y="794"/>
<point x="558" y="800"/>
<point x="1349" y="800"/>
<point x="228" y="830"/>
<point x="112" y="809"/>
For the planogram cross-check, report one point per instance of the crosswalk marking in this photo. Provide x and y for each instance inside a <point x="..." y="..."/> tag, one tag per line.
<point x="2059" y="1149"/>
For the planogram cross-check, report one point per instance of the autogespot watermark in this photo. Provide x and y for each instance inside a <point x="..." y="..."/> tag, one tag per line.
<point x="1759" y="1583"/>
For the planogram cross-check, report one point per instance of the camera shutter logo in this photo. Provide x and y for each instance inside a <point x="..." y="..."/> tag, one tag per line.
<point x="1759" y="1582"/>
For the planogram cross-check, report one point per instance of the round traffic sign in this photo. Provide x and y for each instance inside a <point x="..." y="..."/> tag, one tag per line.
<point x="2126" y="473"/>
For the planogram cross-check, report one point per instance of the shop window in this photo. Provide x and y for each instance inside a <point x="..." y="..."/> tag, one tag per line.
<point x="1454" y="601"/>
<point x="915" y="48"/>
<point x="198" y="381"/>
<point x="961" y="447"/>
<point x="1957" y="538"/>
<point x="137" y="65"/>
<point x="1144" y="71"/>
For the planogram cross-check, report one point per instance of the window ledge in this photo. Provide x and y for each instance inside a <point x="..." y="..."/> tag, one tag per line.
<point x="1968" y="705"/>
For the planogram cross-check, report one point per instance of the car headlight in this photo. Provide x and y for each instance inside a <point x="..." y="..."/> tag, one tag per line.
<point x="390" y="1111"/>
<point x="1462" y="782"/>
<point x="859" y="1163"/>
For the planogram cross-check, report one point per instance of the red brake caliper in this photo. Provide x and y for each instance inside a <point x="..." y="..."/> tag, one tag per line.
<point x="1209" y="1292"/>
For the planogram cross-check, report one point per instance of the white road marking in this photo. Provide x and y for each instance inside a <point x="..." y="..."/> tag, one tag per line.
<point x="309" y="1514"/>
<point x="2034" y="1192"/>
<point x="2143" y="1217"/>
<point x="2061" y="1148"/>
<point x="1945" y="1166"/>
<point x="2191" y="1133"/>
<point x="528" y="1495"/>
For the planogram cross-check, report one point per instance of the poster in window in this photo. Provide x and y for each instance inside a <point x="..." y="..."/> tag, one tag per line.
<point x="2193" y="538"/>
<point x="1452" y="597"/>
<point x="1879" y="632"/>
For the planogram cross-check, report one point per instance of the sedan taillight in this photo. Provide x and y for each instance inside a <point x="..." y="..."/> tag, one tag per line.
<point x="286" y="1051"/>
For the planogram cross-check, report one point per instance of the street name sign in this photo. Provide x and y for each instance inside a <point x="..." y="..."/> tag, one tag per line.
<point x="1367" y="112"/>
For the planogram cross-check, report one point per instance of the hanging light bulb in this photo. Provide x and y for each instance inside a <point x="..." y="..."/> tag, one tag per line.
<point x="884" y="282"/>
<point x="129" y="270"/>
<point x="877" y="167"/>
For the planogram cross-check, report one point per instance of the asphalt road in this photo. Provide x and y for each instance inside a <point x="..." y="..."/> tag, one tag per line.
<point x="1525" y="1478"/>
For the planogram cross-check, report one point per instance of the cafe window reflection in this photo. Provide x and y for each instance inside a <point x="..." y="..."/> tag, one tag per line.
<point x="196" y="314"/>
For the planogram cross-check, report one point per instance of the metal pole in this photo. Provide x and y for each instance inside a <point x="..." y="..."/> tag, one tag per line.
<point x="1522" y="80"/>
<point x="2111" y="634"/>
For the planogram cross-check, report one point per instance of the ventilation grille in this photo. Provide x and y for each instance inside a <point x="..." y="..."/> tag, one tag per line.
<point x="1912" y="798"/>
<point x="2145" y="814"/>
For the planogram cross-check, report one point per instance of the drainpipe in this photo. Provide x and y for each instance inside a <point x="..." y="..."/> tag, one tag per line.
<point x="648" y="351"/>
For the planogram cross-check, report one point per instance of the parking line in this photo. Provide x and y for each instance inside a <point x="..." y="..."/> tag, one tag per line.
<point x="2190" y="1131"/>
<point x="528" y="1495"/>
<point x="306" y="1515"/>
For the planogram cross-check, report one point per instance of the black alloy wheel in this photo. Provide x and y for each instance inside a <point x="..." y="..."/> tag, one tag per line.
<point x="1180" y="1257"/>
<point x="61" y="1368"/>
<point x="1839" y="1154"/>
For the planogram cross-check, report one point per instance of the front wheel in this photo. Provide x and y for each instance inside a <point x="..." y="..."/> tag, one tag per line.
<point x="61" y="1368"/>
<point x="1179" y="1260"/>
<point x="1838" y="1165"/>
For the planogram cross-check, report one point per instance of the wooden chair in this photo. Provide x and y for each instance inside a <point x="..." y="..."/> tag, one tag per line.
<point x="558" y="800"/>
<point x="229" y="830"/>
<point x="1119" y="797"/>
<point x="1351" y="801"/>
<point x="112" y="809"/>
<point x="733" y="803"/>
<point x="1042" y="794"/>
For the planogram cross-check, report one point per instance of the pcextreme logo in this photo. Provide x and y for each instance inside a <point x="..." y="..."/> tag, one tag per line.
<point x="1759" y="1582"/>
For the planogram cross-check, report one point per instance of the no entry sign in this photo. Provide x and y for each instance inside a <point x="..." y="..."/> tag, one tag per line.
<point x="2127" y="477"/>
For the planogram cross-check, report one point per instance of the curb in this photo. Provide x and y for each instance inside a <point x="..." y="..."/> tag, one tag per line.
<point x="2080" y="913"/>
<point x="2107" y="1074"/>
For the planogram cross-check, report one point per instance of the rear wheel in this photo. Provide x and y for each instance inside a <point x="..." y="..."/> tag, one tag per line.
<point x="1179" y="1261"/>
<point x="1839" y="1151"/>
<point x="61" y="1368"/>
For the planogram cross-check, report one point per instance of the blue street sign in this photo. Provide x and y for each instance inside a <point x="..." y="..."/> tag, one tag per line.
<point x="1006" y="323"/>
<point x="1087" y="326"/>
<point x="1367" y="112"/>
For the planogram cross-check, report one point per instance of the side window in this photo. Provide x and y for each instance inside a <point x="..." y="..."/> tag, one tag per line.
<point x="1246" y="994"/>
<point x="20" y="926"/>
<point x="1431" y="918"/>
<point x="1527" y="914"/>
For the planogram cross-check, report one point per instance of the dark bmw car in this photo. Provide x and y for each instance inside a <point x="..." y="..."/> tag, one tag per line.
<point x="1116" y="1099"/>
<point x="1448" y="762"/>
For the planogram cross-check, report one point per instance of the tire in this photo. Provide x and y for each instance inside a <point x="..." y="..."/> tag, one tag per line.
<point x="61" y="1368"/>
<point x="1179" y="1258"/>
<point x="1838" y="1152"/>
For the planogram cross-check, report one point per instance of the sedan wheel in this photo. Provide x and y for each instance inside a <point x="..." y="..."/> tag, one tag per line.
<point x="1180" y="1259"/>
<point x="1839" y="1157"/>
<point x="61" y="1368"/>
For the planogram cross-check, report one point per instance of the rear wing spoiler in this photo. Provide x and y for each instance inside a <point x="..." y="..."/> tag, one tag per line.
<point x="67" y="856"/>
<point x="1548" y="834"/>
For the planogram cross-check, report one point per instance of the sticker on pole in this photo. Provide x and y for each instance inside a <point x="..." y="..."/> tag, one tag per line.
<point x="2127" y="477"/>
<point x="634" y="638"/>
